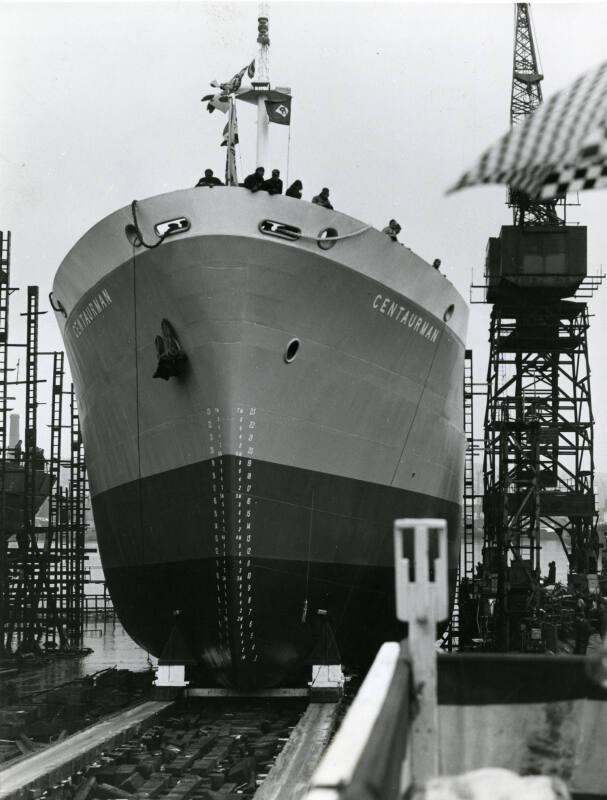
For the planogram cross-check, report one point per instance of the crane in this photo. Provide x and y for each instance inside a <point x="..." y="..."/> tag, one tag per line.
<point x="525" y="97"/>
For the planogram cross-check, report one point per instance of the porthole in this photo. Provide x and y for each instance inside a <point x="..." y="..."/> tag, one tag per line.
<point x="449" y="313"/>
<point x="326" y="238"/>
<point x="291" y="351"/>
<point x="132" y="235"/>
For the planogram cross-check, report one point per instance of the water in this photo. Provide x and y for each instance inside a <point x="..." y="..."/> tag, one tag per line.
<point x="95" y="580"/>
<point x="112" y="647"/>
<point x="111" y="644"/>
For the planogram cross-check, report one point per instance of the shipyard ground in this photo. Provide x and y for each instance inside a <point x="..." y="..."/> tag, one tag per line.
<point x="43" y="703"/>
<point x="115" y="735"/>
<point x="189" y="750"/>
<point x="208" y="746"/>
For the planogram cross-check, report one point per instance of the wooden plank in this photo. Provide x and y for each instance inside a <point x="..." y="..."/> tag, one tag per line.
<point x="55" y="763"/>
<point x="291" y="774"/>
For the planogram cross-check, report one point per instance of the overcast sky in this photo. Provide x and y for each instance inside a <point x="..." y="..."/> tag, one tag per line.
<point x="391" y="103"/>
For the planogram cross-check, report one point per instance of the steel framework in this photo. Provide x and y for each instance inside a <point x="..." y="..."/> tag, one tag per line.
<point x="539" y="461"/>
<point x="41" y="566"/>
<point x="526" y="96"/>
<point x="538" y="469"/>
<point x="25" y="559"/>
<point x="5" y="258"/>
<point x="77" y="529"/>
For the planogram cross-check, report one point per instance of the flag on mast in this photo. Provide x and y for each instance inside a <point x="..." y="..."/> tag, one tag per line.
<point x="233" y="85"/>
<point x="230" y="135"/>
<point x="219" y="100"/>
<point x="279" y="111"/>
<point x="230" y="142"/>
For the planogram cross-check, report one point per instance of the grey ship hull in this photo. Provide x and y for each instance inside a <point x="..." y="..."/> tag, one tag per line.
<point x="257" y="496"/>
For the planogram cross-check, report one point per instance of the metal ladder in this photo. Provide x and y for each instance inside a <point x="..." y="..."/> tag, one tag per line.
<point x="5" y="257"/>
<point x="465" y="566"/>
<point x="77" y="526"/>
<point x="468" y="541"/>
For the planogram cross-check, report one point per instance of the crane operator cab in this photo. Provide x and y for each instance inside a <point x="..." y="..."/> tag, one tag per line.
<point x="535" y="262"/>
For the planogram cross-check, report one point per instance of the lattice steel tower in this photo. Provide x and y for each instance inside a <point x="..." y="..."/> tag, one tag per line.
<point x="538" y="463"/>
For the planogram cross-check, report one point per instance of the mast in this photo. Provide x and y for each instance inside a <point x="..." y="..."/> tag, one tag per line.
<point x="262" y="84"/>
<point x="261" y="91"/>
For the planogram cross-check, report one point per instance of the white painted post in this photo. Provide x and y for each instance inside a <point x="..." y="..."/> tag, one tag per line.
<point x="420" y="558"/>
<point x="171" y="675"/>
<point x="263" y="132"/>
<point x="328" y="676"/>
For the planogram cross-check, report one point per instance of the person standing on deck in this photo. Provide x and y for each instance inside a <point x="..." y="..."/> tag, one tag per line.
<point x="273" y="185"/>
<point x="254" y="181"/>
<point x="209" y="179"/>
<point x="322" y="199"/>
<point x="295" y="190"/>
<point x="392" y="230"/>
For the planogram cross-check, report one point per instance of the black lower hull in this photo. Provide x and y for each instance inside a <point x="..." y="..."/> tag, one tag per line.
<point x="310" y="580"/>
<point x="287" y="637"/>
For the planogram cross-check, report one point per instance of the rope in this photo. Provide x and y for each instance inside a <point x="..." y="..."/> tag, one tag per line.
<point x="336" y="238"/>
<point x="288" y="155"/>
<point x="307" y="592"/>
<point x="302" y="236"/>
<point x="137" y="420"/>
<point x="138" y="230"/>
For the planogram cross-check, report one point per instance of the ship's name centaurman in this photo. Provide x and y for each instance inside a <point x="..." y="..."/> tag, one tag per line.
<point x="403" y="315"/>
<point x="90" y="312"/>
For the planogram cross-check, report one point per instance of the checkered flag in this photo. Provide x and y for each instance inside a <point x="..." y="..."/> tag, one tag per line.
<point x="560" y="148"/>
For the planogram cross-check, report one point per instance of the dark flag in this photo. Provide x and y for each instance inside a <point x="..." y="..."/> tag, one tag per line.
<point x="233" y="85"/>
<point x="279" y="111"/>
<point x="219" y="101"/>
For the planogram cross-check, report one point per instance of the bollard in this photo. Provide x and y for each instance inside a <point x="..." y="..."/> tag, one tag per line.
<point x="420" y="558"/>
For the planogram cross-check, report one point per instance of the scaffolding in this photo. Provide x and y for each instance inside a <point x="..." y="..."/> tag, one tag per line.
<point x="5" y="257"/>
<point x="539" y="460"/>
<point x="42" y="567"/>
<point x="56" y="515"/>
<point x="77" y="528"/>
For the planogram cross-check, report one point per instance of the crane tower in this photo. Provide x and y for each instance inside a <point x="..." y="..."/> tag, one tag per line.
<point x="538" y="470"/>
